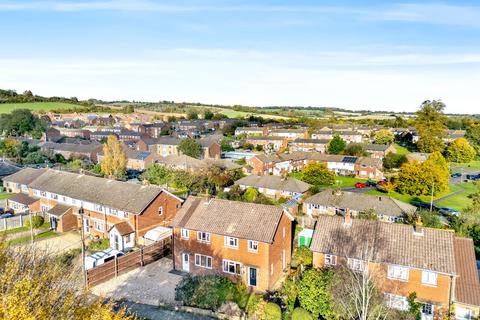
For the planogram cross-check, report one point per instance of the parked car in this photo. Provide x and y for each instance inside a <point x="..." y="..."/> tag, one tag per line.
<point x="381" y="182"/>
<point x="425" y="205"/>
<point x="101" y="257"/>
<point x="473" y="176"/>
<point x="360" y="185"/>
<point x="456" y="175"/>
<point x="381" y="189"/>
<point x="448" y="211"/>
<point x="6" y="215"/>
<point x="371" y="183"/>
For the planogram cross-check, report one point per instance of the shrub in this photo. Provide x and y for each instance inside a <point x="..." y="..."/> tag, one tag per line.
<point x="37" y="222"/>
<point x="206" y="292"/>
<point x="99" y="245"/>
<point x="303" y="255"/>
<point x="66" y="258"/>
<point x="272" y="311"/>
<point x="301" y="314"/>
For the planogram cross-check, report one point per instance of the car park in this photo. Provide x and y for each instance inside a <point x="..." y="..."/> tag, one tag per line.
<point x="101" y="257"/>
<point x="360" y="185"/>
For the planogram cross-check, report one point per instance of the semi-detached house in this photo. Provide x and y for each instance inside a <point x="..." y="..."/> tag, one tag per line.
<point x="245" y="242"/>
<point x="435" y="264"/>
<point x="120" y="211"/>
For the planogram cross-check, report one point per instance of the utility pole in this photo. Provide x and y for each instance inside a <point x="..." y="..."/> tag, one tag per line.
<point x="31" y="227"/>
<point x="82" y="235"/>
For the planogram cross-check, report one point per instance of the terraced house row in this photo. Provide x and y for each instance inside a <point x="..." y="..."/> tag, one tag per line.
<point x="120" y="211"/>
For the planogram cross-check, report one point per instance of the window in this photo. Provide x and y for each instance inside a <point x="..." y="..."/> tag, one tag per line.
<point x="185" y="234"/>
<point x="397" y="272"/>
<point x="284" y="232"/>
<point x="356" y="265"/>
<point x="54" y="196"/>
<point x="397" y="302"/>
<point x="113" y="211"/>
<point x="427" y="310"/>
<point x="99" y="225"/>
<point x="463" y="313"/>
<point x="160" y="211"/>
<point x="203" y="236"/>
<point x="232" y="267"/>
<point x="43" y="193"/>
<point x="203" y="261"/>
<point x="429" y="278"/>
<point x="330" y="260"/>
<point x="99" y="208"/>
<point x="231" y="242"/>
<point x="252" y="246"/>
<point x="271" y="269"/>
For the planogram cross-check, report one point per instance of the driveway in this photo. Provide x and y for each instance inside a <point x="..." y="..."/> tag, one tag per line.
<point x="152" y="284"/>
<point x="59" y="244"/>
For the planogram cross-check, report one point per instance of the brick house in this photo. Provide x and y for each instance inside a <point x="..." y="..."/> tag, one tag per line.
<point x="211" y="147"/>
<point x="106" y="203"/>
<point x="251" y="131"/>
<point x="290" y="134"/>
<point x="404" y="259"/>
<point x="332" y="202"/>
<point x="348" y="136"/>
<point x="312" y="145"/>
<point x="153" y="130"/>
<point x="87" y="151"/>
<point x="274" y="186"/>
<point x="21" y="203"/>
<point x="379" y="150"/>
<point x="245" y="242"/>
<point x="268" y="143"/>
<point x="136" y="160"/>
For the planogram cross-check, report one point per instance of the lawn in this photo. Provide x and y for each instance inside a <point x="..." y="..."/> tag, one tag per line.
<point x="460" y="200"/>
<point x="45" y="226"/>
<point x="401" y="150"/>
<point x="234" y="114"/>
<point x="21" y="240"/>
<point x="5" y="195"/>
<point x="472" y="165"/>
<point x="341" y="181"/>
<point x="35" y="106"/>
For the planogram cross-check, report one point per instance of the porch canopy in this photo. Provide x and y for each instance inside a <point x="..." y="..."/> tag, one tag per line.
<point x="158" y="233"/>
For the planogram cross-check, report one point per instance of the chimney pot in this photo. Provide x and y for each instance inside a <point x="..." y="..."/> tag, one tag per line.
<point x="347" y="218"/>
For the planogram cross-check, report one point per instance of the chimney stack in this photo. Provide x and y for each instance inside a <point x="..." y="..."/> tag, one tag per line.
<point x="347" y="218"/>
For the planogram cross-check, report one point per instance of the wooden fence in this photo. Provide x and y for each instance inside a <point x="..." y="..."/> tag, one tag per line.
<point x="130" y="261"/>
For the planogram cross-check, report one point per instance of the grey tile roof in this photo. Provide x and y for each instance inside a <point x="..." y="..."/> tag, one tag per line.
<point x="275" y="183"/>
<point x="59" y="210"/>
<point x="170" y="141"/>
<point x="377" y="147"/>
<point x="316" y="141"/>
<point x="123" y="196"/>
<point x="389" y="243"/>
<point x="72" y="147"/>
<point x="23" y="199"/>
<point x="24" y="176"/>
<point x="467" y="286"/>
<point x="230" y="218"/>
<point x="361" y="202"/>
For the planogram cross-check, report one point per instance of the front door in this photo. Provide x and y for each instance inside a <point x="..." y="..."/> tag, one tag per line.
<point x="116" y="242"/>
<point x="53" y="223"/>
<point x="252" y="277"/>
<point x="185" y="262"/>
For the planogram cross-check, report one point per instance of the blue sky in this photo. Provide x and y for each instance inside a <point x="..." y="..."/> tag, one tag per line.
<point x="380" y="55"/>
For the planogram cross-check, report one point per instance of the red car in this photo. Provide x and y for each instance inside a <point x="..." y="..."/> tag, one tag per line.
<point x="360" y="185"/>
<point x="382" y="182"/>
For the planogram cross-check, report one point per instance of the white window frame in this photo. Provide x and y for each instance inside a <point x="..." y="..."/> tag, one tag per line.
<point x="330" y="260"/>
<point x="230" y="242"/>
<point x="396" y="272"/>
<point x="396" y="302"/>
<point x="207" y="263"/>
<point x="356" y="264"/>
<point x="203" y="237"/>
<point x="427" y="306"/>
<point x="184" y="234"/>
<point x="227" y="264"/>
<point x="160" y="211"/>
<point x="283" y="232"/>
<point x="252" y="246"/>
<point x="429" y="278"/>
<point x="98" y="225"/>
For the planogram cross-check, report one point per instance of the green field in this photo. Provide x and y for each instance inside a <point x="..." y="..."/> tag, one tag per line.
<point x="4" y="195"/>
<point x="234" y="114"/>
<point x="472" y="165"/>
<point x="459" y="201"/>
<point x="35" y="106"/>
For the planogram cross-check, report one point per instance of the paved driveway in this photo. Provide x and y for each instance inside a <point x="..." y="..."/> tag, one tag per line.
<point x="59" y="244"/>
<point x="151" y="285"/>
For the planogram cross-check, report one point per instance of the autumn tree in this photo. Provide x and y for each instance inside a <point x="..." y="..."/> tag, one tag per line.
<point x="430" y="124"/>
<point x="190" y="147"/>
<point x="336" y="145"/>
<point x="383" y="136"/>
<point x="114" y="162"/>
<point x="417" y="178"/>
<point x="460" y="151"/>
<point x="317" y="173"/>
<point x="36" y="285"/>
<point x="355" y="149"/>
<point x="473" y="136"/>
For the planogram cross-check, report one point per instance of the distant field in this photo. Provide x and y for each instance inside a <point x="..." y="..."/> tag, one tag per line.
<point x="401" y="150"/>
<point x="234" y="114"/>
<point x="35" y="106"/>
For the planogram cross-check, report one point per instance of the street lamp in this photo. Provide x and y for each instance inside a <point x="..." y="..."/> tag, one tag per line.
<point x="81" y="213"/>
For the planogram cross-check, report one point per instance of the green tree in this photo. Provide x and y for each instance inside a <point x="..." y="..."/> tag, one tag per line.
<point x="473" y="136"/>
<point x="317" y="173"/>
<point x="314" y="293"/>
<point x="208" y="115"/>
<point x="393" y="160"/>
<point x="192" y="115"/>
<point x="430" y="124"/>
<point x="190" y="147"/>
<point x="250" y="194"/>
<point x="460" y="151"/>
<point x="355" y="149"/>
<point x="20" y="122"/>
<point x="336" y="145"/>
<point x="383" y="136"/>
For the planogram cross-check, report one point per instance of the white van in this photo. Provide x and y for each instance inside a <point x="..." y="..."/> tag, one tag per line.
<point x="101" y="257"/>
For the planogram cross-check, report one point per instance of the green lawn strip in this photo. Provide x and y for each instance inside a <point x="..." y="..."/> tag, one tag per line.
<point x="459" y="201"/>
<point x="45" y="226"/>
<point x="408" y="198"/>
<point x="401" y="150"/>
<point x="5" y="195"/>
<point x="35" y="106"/>
<point x="43" y="235"/>
<point x="340" y="181"/>
<point x="472" y="165"/>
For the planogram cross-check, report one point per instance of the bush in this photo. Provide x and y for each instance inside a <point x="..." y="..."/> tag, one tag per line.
<point x="66" y="258"/>
<point x="37" y="222"/>
<point x="272" y="311"/>
<point x="301" y="314"/>
<point x="205" y="292"/>
<point x="303" y="255"/>
<point x="99" y="245"/>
